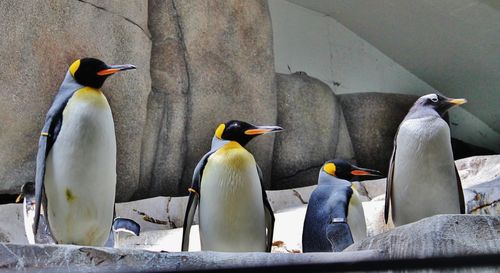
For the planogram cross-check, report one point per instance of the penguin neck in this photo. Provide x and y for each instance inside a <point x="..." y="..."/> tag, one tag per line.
<point x="419" y="111"/>
<point x="329" y="180"/>
<point x="69" y="83"/>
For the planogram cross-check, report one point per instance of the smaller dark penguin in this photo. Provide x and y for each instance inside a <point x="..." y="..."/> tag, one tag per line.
<point x="75" y="178"/>
<point x="334" y="208"/>
<point x="124" y="228"/>
<point x="423" y="180"/>
<point x="27" y="195"/>
<point x="234" y="215"/>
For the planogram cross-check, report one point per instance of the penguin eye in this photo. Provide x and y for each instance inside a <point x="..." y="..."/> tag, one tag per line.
<point x="434" y="99"/>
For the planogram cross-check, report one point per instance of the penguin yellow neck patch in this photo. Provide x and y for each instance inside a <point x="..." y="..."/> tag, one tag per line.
<point x="220" y="130"/>
<point x="74" y="67"/>
<point x="330" y="168"/>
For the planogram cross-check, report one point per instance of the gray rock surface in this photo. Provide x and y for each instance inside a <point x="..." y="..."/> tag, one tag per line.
<point x="40" y="40"/>
<point x="478" y="169"/>
<point x="315" y="131"/>
<point x="199" y="64"/>
<point x="446" y="234"/>
<point x="64" y="258"/>
<point x="372" y="120"/>
<point x="483" y="198"/>
<point x="230" y="68"/>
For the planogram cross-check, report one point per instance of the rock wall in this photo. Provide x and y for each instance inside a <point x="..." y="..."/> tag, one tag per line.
<point x="372" y="120"/>
<point x="315" y="131"/>
<point x="200" y="63"/>
<point x="39" y="41"/>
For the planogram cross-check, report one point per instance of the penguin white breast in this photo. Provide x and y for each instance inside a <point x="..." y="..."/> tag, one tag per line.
<point x="80" y="178"/>
<point x="231" y="206"/>
<point x="424" y="181"/>
<point x="356" y="217"/>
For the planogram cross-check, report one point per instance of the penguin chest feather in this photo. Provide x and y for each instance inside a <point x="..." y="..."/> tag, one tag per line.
<point x="80" y="178"/>
<point x="356" y="216"/>
<point x="231" y="204"/>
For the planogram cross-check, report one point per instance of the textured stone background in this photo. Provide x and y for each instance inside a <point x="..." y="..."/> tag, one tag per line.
<point x="200" y="63"/>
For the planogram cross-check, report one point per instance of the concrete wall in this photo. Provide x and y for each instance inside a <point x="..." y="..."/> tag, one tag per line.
<point x="308" y="41"/>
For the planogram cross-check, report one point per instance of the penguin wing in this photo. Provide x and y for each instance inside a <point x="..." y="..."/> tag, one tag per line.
<point x="339" y="235"/>
<point x="193" y="200"/>
<point x="390" y="176"/>
<point x="268" y="211"/>
<point x="461" y="199"/>
<point x="50" y="131"/>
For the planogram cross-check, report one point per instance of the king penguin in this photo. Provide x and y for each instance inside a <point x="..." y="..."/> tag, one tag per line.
<point x="76" y="160"/>
<point x="335" y="217"/>
<point x="423" y="180"/>
<point x="234" y="215"/>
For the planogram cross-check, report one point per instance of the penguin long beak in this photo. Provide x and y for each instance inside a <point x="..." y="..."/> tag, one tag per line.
<point x="20" y="198"/>
<point x="112" y="69"/>
<point x="260" y="130"/>
<point x="357" y="171"/>
<point x="456" y="101"/>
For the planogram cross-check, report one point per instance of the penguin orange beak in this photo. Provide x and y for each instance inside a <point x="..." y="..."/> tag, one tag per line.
<point x="457" y="101"/>
<point x="112" y="69"/>
<point x="260" y="130"/>
<point x="366" y="172"/>
<point x="20" y="198"/>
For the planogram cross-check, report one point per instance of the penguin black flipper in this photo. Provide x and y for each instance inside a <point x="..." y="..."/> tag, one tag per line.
<point x="339" y="235"/>
<point x="390" y="177"/>
<point x="194" y="199"/>
<point x="50" y="130"/>
<point x="268" y="211"/>
<point x="461" y="198"/>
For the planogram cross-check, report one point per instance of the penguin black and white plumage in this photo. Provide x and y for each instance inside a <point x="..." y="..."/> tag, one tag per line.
<point x="76" y="161"/>
<point x="423" y="180"/>
<point x="234" y="214"/>
<point x="334" y="217"/>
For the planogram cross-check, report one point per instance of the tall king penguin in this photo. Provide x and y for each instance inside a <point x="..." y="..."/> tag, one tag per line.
<point x="423" y="180"/>
<point x="335" y="217"/>
<point x="234" y="215"/>
<point x="76" y="161"/>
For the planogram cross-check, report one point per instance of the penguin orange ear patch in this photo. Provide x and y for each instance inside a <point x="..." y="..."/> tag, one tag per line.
<point x="220" y="130"/>
<point x="330" y="168"/>
<point x="74" y="67"/>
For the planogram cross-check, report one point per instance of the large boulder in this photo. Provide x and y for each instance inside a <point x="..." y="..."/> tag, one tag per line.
<point x="39" y="41"/>
<point x="229" y="55"/>
<point x="446" y="234"/>
<point x="212" y="61"/>
<point x="315" y="131"/>
<point x="372" y="120"/>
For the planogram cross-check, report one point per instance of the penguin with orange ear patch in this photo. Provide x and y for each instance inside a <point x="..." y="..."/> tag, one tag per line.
<point x="76" y="162"/>
<point x="334" y="217"/>
<point x="234" y="215"/>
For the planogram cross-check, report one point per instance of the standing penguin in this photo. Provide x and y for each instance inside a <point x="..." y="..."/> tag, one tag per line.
<point x="235" y="214"/>
<point x="334" y="211"/>
<point x="423" y="180"/>
<point x="76" y="160"/>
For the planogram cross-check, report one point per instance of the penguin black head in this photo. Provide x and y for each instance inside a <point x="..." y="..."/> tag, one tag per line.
<point x="345" y="170"/>
<point x="439" y="103"/>
<point x="242" y="132"/>
<point x="27" y="189"/>
<point x="93" y="72"/>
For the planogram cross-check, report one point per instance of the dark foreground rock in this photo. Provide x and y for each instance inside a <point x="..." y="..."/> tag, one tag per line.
<point x="68" y="258"/>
